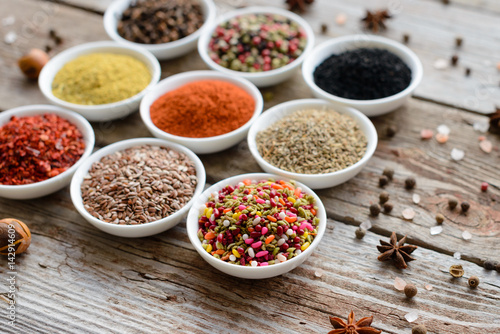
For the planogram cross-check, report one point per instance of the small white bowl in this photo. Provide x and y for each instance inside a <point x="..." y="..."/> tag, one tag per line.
<point x="315" y="181"/>
<point x="207" y="144"/>
<point x="339" y="45"/>
<point x="49" y="186"/>
<point x="247" y="271"/>
<point x="142" y="230"/>
<point x="161" y="51"/>
<point x="260" y="79"/>
<point x="100" y="112"/>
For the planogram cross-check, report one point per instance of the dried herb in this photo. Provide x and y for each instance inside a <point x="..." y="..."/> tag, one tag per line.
<point x="495" y="122"/>
<point x="362" y="326"/>
<point x="396" y="251"/>
<point x="376" y="21"/>
<point x="298" y="4"/>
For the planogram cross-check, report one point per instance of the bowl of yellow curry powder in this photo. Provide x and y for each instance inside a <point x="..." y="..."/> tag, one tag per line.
<point x="101" y="80"/>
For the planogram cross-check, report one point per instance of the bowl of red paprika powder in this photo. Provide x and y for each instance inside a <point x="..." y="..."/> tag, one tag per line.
<point x="41" y="146"/>
<point x="205" y="111"/>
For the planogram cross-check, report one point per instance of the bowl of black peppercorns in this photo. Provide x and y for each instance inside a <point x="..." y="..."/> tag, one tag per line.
<point x="166" y="28"/>
<point x="373" y="74"/>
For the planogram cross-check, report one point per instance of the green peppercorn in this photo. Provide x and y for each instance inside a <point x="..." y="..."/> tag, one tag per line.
<point x="360" y="233"/>
<point x="473" y="282"/>
<point x="374" y="210"/>
<point x="452" y="203"/>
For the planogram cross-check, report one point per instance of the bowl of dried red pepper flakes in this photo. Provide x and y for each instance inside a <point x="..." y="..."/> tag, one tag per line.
<point x="41" y="146"/>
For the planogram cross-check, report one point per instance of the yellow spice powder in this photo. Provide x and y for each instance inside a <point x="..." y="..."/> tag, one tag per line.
<point x="100" y="78"/>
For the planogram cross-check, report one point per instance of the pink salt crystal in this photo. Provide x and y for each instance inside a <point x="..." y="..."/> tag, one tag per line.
<point x="341" y="19"/>
<point x="428" y="287"/>
<point x="426" y="134"/>
<point x="486" y="146"/>
<point x="399" y="284"/>
<point x="441" y="138"/>
<point x="408" y="213"/>
<point x="466" y="235"/>
<point x="481" y="138"/>
<point x="319" y="272"/>
<point x="412" y="316"/>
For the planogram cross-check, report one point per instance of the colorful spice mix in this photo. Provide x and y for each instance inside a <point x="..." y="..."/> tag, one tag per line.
<point x="257" y="42"/>
<point x="258" y="223"/>
<point x="202" y="109"/>
<point x="36" y="148"/>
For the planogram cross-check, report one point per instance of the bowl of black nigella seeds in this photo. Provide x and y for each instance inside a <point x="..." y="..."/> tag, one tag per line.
<point x="372" y="74"/>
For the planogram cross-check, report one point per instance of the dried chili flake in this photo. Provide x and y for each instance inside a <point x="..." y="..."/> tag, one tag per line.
<point x="36" y="148"/>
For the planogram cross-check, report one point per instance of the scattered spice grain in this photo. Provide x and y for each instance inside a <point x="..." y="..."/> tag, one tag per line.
<point x="452" y="203"/>
<point x="419" y="329"/>
<point x="465" y="206"/>
<point x="375" y="21"/>
<point x="15" y="236"/>
<point x="454" y="60"/>
<point x="383" y="181"/>
<point x="456" y="271"/>
<point x="439" y="218"/>
<point x="374" y="210"/>
<point x="458" y="41"/>
<point x="490" y="264"/>
<point x="473" y="282"/>
<point x="32" y="63"/>
<point x="484" y="186"/>
<point x="139" y="185"/>
<point x="389" y="172"/>
<point x="410" y="290"/>
<point x="406" y="38"/>
<point x="360" y="233"/>
<point x="388" y="207"/>
<point x="391" y="131"/>
<point x="312" y="142"/>
<point x="410" y="183"/>
<point x="324" y="28"/>
<point x="383" y="197"/>
<point x="396" y="251"/>
<point x="468" y="71"/>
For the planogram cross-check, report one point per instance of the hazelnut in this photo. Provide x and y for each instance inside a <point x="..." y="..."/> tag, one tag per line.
<point x="21" y="232"/>
<point x="410" y="290"/>
<point x="32" y="63"/>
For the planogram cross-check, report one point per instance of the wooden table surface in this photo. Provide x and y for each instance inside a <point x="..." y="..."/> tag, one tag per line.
<point x="77" y="279"/>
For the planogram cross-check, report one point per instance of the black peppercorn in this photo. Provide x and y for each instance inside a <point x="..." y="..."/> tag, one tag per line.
<point x="406" y="38"/>
<point x="490" y="264"/>
<point x="465" y="206"/>
<point x="410" y="183"/>
<point x="360" y="233"/>
<point x="410" y="290"/>
<point x="374" y="210"/>
<point x="473" y="281"/>
<point x="419" y="329"/>
<point x="454" y="60"/>
<point x="389" y="172"/>
<point x="467" y="71"/>
<point x="383" y="197"/>
<point x="458" y="41"/>
<point x="383" y="181"/>
<point x="452" y="203"/>
<point x="439" y="218"/>
<point x="388" y="207"/>
<point x="390" y="131"/>
<point x="324" y="28"/>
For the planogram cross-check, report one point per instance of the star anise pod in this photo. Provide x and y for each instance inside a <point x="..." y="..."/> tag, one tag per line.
<point x="396" y="251"/>
<point x="298" y="4"/>
<point x="375" y="21"/>
<point x="495" y="122"/>
<point x="360" y="327"/>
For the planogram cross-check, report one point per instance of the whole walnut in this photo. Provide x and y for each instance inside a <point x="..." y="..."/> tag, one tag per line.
<point x="14" y="233"/>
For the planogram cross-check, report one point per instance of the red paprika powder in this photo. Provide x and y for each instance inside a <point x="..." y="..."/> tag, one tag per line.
<point x="201" y="109"/>
<point x="36" y="148"/>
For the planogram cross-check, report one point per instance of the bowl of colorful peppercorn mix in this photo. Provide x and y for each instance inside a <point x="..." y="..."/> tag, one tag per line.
<point x="101" y="81"/>
<point x="256" y="225"/>
<point x="373" y="74"/>
<point x="313" y="141"/>
<point x="265" y="45"/>
<point x="166" y="28"/>
<point x="206" y="111"/>
<point x="138" y="187"/>
<point x="41" y="147"/>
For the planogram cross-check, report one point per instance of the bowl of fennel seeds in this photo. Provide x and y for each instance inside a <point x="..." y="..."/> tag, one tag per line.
<point x="313" y="141"/>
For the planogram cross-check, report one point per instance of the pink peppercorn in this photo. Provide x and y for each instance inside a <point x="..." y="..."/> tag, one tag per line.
<point x="484" y="186"/>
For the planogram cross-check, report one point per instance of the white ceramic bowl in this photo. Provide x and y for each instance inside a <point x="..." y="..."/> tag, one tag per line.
<point x="49" y="186"/>
<point x="161" y="51"/>
<point x="142" y="230"/>
<point x="207" y="144"/>
<point x="338" y="45"/>
<point x="247" y="271"/>
<point x="260" y="79"/>
<point x="315" y="181"/>
<point x="101" y="112"/>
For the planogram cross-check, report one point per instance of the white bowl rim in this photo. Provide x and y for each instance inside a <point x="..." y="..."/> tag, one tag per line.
<point x="145" y="112"/>
<point x="113" y="33"/>
<point x="371" y="136"/>
<point x="75" y="191"/>
<point x="258" y="176"/>
<point x="75" y="52"/>
<point x="417" y="73"/>
<point x="50" y="109"/>
<point x="206" y="35"/>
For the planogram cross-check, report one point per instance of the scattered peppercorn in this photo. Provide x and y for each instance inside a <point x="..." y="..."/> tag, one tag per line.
<point x="452" y="203"/>
<point x="410" y="290"/>
<point x="14" y="229"/>
<point x="484" y="186"/>
<point x="490" y="264"/>
<point x="439" y="218"/>
<point x="388" y="207"/>
<point x="406" y="38"/>
<point x="497" y="267"/>
<point x="360" y="233"/>
<point x="383" y="197"/>
<point x="473" y="282"/>
<point x="389" y="172"/>
<point x="456" y="271"/>
<point x="458" y="41"/>
<point x="410" y="183"/>
<point x="467" y="71"/>
<point x="324" y="28"/>
<point x="465" y="206"/>
<point x="383" y="181"/>
<point x="374" y="210"/>
<point x="391" y="131"/>
<point x="419" y="329"/>
<point x="454" y="60"/>
<point x="55" y="37"/>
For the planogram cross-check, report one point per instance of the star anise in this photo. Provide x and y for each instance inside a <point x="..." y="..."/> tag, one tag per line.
<point x="375" y="21"/>
<point x="298" y="4"/>
<point x="495" y="122"/>
<point x="396" y="251"/>
<point x="360" y="327"/>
